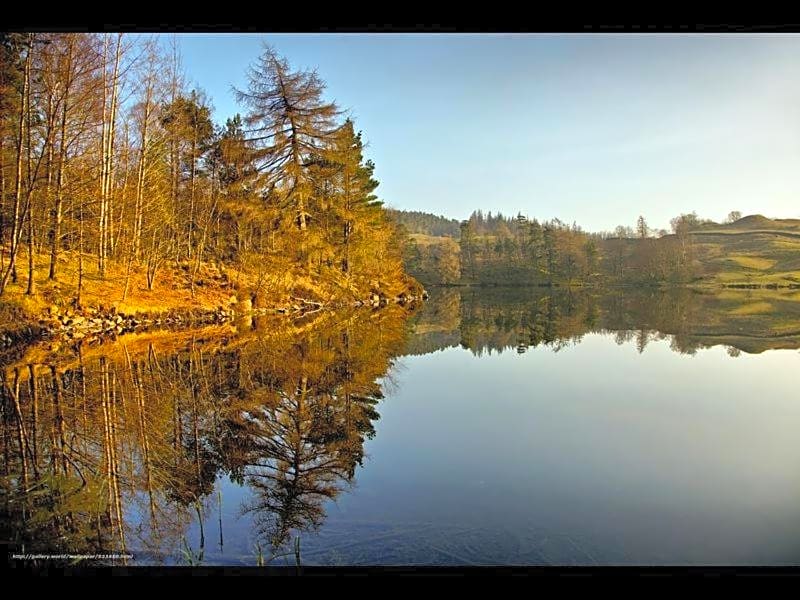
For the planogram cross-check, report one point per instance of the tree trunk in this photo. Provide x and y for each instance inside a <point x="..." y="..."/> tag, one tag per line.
<point x="16" y="226"/>
<point x="62" y="157"/>
<point x="55" y="241"/>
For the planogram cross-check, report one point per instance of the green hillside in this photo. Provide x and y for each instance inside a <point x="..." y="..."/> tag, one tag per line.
<point x="754" y="250"/>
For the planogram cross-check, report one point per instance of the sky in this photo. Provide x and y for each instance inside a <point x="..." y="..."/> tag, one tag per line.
<point x="589" y="128"/>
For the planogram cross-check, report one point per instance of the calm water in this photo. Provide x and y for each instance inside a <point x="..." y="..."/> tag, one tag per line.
<point x="490" y="427"/>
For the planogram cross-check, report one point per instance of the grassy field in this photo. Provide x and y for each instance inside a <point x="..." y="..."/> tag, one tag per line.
<point x="751" y="251"/>
<point x="423" y="239"/>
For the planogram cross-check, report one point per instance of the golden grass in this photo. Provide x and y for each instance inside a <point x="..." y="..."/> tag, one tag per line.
<point x="171" y="288"/>
<point x="785" y="244"/>
<point x="752" y="262"/>
<point x="431" y="240"/>
<point x="781" y="279"/>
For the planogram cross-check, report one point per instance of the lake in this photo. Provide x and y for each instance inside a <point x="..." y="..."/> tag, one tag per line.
<point x="491" y="426"/>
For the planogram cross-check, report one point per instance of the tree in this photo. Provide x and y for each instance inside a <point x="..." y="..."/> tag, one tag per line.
<point x="110" y="91"/>
<point x="687" y="221"/>
<point x="642" y="230"/>
<point x="104" y="149"/>
<point x="344" y="183"/>
<point x="734" y="216"/>
<point x="22" y="105"/>
<point x="289" y="122"/>
<point x="188" y="119"/>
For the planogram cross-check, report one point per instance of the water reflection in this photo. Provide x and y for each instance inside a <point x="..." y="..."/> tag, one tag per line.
<point x="123" y="447"/>
<point x="497" y="319"/>
<point x="120" y="446"/>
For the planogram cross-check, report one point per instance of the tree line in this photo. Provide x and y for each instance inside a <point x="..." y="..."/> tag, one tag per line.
<point x="111" y="164"/>
<point x="498" y="249"/>
<point x="426" y="223"/>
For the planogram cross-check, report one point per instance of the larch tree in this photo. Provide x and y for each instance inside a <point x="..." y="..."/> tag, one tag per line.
<point x="289" y="122"/>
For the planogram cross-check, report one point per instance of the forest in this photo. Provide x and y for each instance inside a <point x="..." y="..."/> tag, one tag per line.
<point x="499" y="250"/>
<point x="118" y="187"/>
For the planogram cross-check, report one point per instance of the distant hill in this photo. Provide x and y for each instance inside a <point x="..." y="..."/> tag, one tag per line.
<point x="751" y="223"/>
<point x="426" y="223"/>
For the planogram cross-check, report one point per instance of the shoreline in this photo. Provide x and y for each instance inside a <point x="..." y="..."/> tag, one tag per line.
<point x="612" y="286"/>
<point x="91" y="323"/>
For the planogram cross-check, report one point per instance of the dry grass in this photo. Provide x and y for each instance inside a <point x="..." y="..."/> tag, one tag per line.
<point x="753" y="262"/>
<point x="431" y="240"/>
<point x="750" y="258"/>
<point x="171" y="288"/>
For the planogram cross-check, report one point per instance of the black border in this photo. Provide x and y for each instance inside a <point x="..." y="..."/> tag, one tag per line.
<point x="284" y="25"/>
<point x="416" y="571"/>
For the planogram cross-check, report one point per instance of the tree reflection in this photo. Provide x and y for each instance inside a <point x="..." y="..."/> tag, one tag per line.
<point x="121" y="446"/>
<point x="490" y="320"/>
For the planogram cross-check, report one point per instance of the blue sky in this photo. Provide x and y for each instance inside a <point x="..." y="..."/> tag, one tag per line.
<point x="590" y="128"/>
